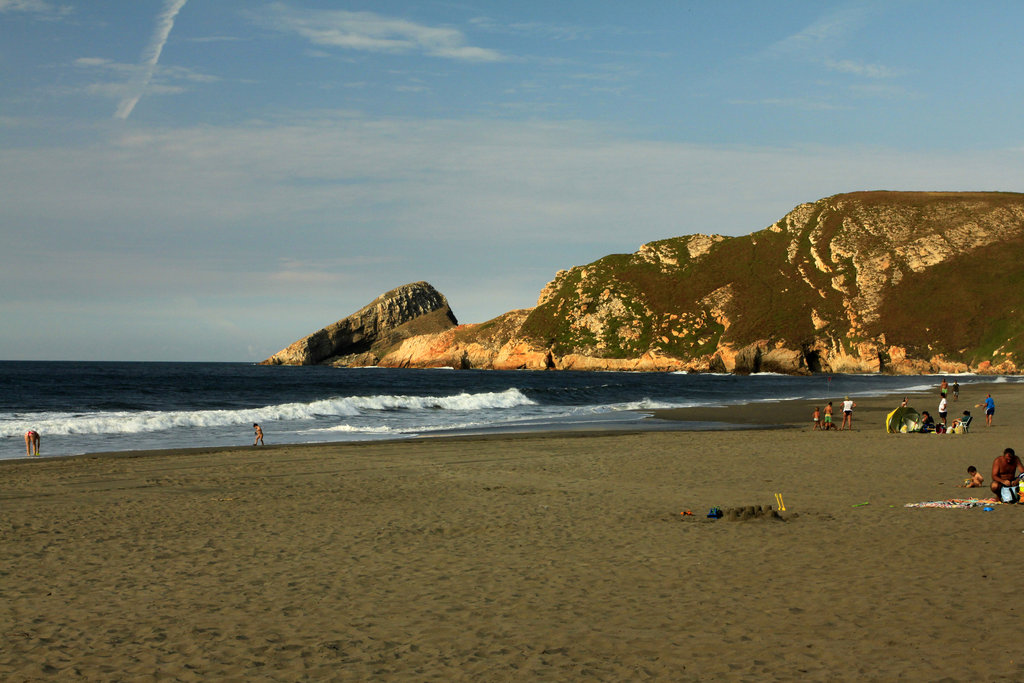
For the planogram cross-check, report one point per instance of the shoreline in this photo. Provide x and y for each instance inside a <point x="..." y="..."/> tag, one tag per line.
<point x="869" y="410"/>
<point x="760" y="415"/>
<point x="555" y="556"/>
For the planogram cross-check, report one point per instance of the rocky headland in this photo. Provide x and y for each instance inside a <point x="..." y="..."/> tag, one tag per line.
<point x="413" y="310"/>
<point x="896" y="282"/>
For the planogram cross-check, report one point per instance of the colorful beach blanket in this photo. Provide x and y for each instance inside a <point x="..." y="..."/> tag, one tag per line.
<point x="954" y="503"/>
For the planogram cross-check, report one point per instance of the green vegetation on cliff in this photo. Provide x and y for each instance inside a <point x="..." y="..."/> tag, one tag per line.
<point x="937" y="274"/>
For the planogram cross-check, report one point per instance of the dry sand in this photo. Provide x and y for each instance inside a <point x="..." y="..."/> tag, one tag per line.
<point x="536" y="557"/>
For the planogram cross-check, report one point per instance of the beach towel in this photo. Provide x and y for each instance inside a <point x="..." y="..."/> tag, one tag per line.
<point x="958" y="503"/>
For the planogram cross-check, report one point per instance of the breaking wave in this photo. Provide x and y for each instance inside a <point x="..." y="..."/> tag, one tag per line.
<point x="139" y="422"/>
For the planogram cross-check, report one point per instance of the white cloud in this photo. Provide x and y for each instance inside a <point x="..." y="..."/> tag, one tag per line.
<point x="827" y="31"/>
<point x="40" y="8"/>
<point x="546" y="30"/>
<point x="370" y="32"/>
<point x="93" y="62"/>
<point x="165" y="80"/>
<point x="803" y="103"/>
<point x="119" y="91"/>
<point x="214" y="39"/>
<point x="881" y="90"/>
<point x="293" y="271"/>
<point x="815" y="44"/>
<point x="860" y="69"/>
<point x="827" y="35"/>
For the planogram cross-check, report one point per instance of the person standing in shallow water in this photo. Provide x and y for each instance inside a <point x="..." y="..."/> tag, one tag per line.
<point x="31" y="443"/>
<point x="259" y="434"/>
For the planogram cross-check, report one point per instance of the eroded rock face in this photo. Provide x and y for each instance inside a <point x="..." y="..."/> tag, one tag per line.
<point x="378" y="324"/>
<point x="860" y="282"/>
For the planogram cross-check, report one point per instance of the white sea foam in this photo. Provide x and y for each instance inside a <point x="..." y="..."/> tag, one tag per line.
<point x="124" y="422"/>
<point x="647" y="404"/>
<point x="510" y="398"/>
<point x="350" y="429"/>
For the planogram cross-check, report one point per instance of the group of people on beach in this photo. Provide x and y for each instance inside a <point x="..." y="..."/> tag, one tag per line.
<point x="928" y="423"/>
<point x="988" y="404"/>
<point x="826" y="424"/>
<point x="1007" y="469"/>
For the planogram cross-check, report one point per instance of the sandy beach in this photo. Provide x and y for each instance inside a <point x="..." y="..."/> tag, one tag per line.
<point x="526" y="557"/>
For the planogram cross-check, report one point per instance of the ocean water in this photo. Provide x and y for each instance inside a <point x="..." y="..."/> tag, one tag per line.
<point x="88" y="407"/>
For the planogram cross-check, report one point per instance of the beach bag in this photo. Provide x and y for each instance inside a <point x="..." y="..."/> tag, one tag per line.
<point x="1008" y="494"/>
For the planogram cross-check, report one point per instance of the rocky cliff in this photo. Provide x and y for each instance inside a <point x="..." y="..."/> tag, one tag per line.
<point x="415" y="309"/>
<point x="900" y="282"/>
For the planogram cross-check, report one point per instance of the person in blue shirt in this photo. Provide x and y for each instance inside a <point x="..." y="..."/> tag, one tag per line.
<point x="990" y="409"/>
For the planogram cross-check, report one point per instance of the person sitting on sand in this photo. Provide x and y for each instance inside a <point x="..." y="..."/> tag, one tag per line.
<point x="31" y="443"/>
<point x="960" y="422"/>
<point x="927" y="423"/>
<point x="259" y="434"/>
<point x="1004" y="476"/>
<point x="974" y="478"/>
<point x="817" y="419"/>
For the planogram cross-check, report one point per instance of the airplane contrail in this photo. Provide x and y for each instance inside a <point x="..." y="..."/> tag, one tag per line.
<point x="150" y="56"/>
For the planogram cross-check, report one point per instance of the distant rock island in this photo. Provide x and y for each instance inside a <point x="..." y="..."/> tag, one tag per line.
<point x="891" y="282"/>
<point x="412" y="310"/>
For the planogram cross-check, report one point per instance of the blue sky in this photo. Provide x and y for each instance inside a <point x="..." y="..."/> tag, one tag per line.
<point x="196" y="180"/>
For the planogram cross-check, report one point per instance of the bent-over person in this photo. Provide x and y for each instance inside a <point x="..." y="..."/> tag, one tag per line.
<point x="1004" y="475"/>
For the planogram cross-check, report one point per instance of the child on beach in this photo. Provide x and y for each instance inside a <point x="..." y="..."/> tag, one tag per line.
<point x="828" y="416"/>
<point x="817" y="419"/>
<point x="973" y="480"/>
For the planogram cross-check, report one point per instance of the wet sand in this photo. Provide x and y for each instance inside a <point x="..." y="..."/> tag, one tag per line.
<point x="525" y="557"/>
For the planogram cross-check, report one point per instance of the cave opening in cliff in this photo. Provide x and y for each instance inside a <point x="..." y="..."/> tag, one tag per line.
<point x="812" y="359"/>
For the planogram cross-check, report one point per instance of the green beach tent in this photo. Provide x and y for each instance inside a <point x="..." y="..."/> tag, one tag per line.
<point x="903" y="419"/>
